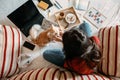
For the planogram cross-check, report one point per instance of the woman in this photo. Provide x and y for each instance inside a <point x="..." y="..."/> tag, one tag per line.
<point x="80" y="53"/>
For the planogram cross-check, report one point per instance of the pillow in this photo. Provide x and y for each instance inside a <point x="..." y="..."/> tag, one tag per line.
<point x="67" y="75"/>
<point x="55" y="74"/>
<point x="10" y="47"/>
<point x="38" y="74"/>
<point x="110" y="42"/>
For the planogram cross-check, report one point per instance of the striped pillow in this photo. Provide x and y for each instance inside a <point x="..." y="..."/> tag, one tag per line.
<point x="110" y="42"/>
<point x="10" y="46"/>
<point x="38" y="74"/>
<point x="67" y="75"/>
<point x="55" y="74"/>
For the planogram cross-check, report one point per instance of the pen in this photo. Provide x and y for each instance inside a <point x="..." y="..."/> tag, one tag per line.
<point x="58" y="4"/>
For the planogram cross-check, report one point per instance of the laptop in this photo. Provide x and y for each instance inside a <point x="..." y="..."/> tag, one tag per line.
<point x="26" y="16"/>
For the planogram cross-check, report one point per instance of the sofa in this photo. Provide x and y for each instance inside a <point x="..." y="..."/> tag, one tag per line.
<point x="33" y="66"/>
<point x="13" y="69"/>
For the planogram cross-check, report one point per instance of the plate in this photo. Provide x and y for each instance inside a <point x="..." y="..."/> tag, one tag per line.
<point x="65" y="22"/>
<point x="70" y="18"/>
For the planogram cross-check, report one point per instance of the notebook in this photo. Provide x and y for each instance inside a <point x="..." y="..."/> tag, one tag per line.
<point x="48" y="2"/>
<point x="26" y="16"/>
<point x="95" y="17"/>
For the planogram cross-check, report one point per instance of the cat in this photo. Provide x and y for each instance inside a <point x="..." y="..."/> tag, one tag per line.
<point x="48" y="35"/>
<point x="35" y="31"/>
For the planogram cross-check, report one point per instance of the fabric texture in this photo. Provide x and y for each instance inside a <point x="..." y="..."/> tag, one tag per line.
<point x="55" y="74"/>
<point x="38" y="74"/>
<point x="96" y="40"/>
<point x="86" y="28"/>
<point x="79" y="65"/>
<point x="67" y="75"/>
<point x="55" y="56"/>
<point x="10" y="48"/>
<point x="110" y="42"/>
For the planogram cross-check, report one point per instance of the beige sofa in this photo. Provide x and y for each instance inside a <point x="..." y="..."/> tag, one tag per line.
<point x="44" y="70"/>
<point x="40" y="69"/>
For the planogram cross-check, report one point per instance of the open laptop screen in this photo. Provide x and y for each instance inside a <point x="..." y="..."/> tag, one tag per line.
<point x="25" y="16"/>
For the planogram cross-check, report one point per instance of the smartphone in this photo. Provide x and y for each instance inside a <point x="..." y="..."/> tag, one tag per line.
<point x="29" y="45"/>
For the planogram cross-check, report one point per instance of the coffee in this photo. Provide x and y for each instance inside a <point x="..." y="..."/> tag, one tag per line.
<point x="61" y="15"/>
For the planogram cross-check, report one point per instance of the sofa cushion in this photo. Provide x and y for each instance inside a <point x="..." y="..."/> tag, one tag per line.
<point x="110" y="42"/>
<point x="10" y="46"/>
<point x="38" y="74"/>
<point x="55" y="74"/>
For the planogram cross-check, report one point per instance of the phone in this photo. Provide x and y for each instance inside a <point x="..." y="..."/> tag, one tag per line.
<point x="29" y="45"/>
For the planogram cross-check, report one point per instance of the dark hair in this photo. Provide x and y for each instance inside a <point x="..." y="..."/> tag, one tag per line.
<point x="74" y="43"/>
<point x="77" y="44"/>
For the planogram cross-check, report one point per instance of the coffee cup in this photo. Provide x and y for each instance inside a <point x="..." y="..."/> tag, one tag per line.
<point x="61" y="15"/>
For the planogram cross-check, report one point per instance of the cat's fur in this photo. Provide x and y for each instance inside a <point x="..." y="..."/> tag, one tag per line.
<point x="48" y="35"/>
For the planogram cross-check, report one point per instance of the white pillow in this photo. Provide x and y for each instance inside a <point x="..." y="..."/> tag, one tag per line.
<point x="110" y="42"/>
<point x="10" y="48"/>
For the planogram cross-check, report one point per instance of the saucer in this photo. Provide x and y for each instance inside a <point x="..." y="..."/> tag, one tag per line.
<point x="70" y="18"/>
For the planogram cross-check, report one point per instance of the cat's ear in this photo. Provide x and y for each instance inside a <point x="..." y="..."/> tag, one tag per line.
<point x="52" y="26"/>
